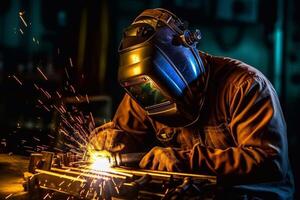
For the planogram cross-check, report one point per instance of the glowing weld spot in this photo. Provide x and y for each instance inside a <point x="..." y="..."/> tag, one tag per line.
<point x="100" y="161"/>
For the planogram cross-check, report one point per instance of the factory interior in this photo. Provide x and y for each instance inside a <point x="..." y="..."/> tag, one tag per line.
<point x="67" y="51"/>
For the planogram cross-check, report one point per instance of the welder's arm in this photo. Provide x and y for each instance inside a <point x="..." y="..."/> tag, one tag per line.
<point x="127" y="132"/>
<point x="259" y="129"/>
<point x="137" y="128"/>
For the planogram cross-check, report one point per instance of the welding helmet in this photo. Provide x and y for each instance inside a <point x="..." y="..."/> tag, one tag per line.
<point x="158" y="64"/>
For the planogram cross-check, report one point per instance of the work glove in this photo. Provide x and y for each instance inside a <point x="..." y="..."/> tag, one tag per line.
<point x="106" y="137"/>
<point x="164" y="159"/>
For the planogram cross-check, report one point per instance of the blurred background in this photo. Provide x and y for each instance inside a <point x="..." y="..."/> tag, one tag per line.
<point x="58" y="45"/>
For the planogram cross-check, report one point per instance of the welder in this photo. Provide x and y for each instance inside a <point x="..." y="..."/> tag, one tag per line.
<point x="195" y="112"/>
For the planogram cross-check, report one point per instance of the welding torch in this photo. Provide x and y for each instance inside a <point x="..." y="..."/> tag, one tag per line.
<point x="121" y="159"/>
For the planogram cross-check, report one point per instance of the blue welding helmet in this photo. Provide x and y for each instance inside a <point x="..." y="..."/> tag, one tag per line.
<point x="159" y="63"/>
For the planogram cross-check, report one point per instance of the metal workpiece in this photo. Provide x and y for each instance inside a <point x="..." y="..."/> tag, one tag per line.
<point x="82" y="179"/>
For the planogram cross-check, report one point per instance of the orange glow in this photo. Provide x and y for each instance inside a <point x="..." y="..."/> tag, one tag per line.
<point x="136" y="70"/>
<point x="135" y="58"/>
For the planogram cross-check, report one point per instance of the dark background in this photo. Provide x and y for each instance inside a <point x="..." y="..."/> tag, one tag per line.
<point x="265" y="34"/>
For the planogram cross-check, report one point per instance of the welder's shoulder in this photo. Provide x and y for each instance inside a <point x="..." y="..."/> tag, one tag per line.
<point x="234" y="73"/>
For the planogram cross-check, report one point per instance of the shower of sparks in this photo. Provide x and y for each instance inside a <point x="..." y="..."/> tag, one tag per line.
<point x="73" y="128"/>
<point x="44" y="76"/>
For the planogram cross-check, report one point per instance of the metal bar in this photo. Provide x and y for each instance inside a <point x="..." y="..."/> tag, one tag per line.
<point x="102" y="173"/>
<point x="182" y="175"/>
<point x="129" y="175"/>
<point x="140" y="173"/>
<point x="60" y="175"/>
<point x="77" y="173"/>
<point x="142" y="192"/>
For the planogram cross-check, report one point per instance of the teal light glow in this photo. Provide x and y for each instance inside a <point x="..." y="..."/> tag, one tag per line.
<point x="277" y="59"/>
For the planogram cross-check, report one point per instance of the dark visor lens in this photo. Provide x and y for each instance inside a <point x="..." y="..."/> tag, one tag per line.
<point x="147" y="94"/>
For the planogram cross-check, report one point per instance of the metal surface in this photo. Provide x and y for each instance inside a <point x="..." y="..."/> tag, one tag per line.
<point x="12" y="168"/>
<point x="82" y="181"/>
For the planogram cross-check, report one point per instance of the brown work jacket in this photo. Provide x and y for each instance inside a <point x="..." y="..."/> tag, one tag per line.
<point x="240" y="137"/>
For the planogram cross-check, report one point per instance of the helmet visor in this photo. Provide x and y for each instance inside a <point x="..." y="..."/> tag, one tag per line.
<point x="146" y="93"/>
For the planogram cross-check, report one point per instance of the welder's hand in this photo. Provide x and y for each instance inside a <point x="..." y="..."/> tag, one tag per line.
<point x="164" y="159"/>
<point x="107" y="137"/>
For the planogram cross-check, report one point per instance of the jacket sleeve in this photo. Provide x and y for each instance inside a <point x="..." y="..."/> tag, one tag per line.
<point x="132" y="119"/>
<point x="258" y="126"/>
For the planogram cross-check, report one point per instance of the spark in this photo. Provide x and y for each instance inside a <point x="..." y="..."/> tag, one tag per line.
<point x="50" y="136"/>
<point x="55" y="148"/>
<point x="93" y="121"/>
<point x="46" y="196"/>
<point x="36" y="139"/>
<point x="8" y="196"/>
<point x="73" y="89"/>
<point x="22" y="19"/>
<point x="46" y="108"/>
<point x="71" y="63"/>
<point x="46" y="93"/>
<point x="45" y="77"/>
<point x="18" y="80"/>
<point x="115" y="185"/>
<point x="81" y="192"/>
<point x="63" y="109"/>
<point x="58" y="94"/>
<point x="101" y="188"/>
<point x="36" y="87"/>
<point x="21" y="31"/>
<point x="61" y="183"/>
<point x="40" y="102"/>
<point x="66" y="71"/>
<point x="87" y="194"/>
<point x="87" y="98"/>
